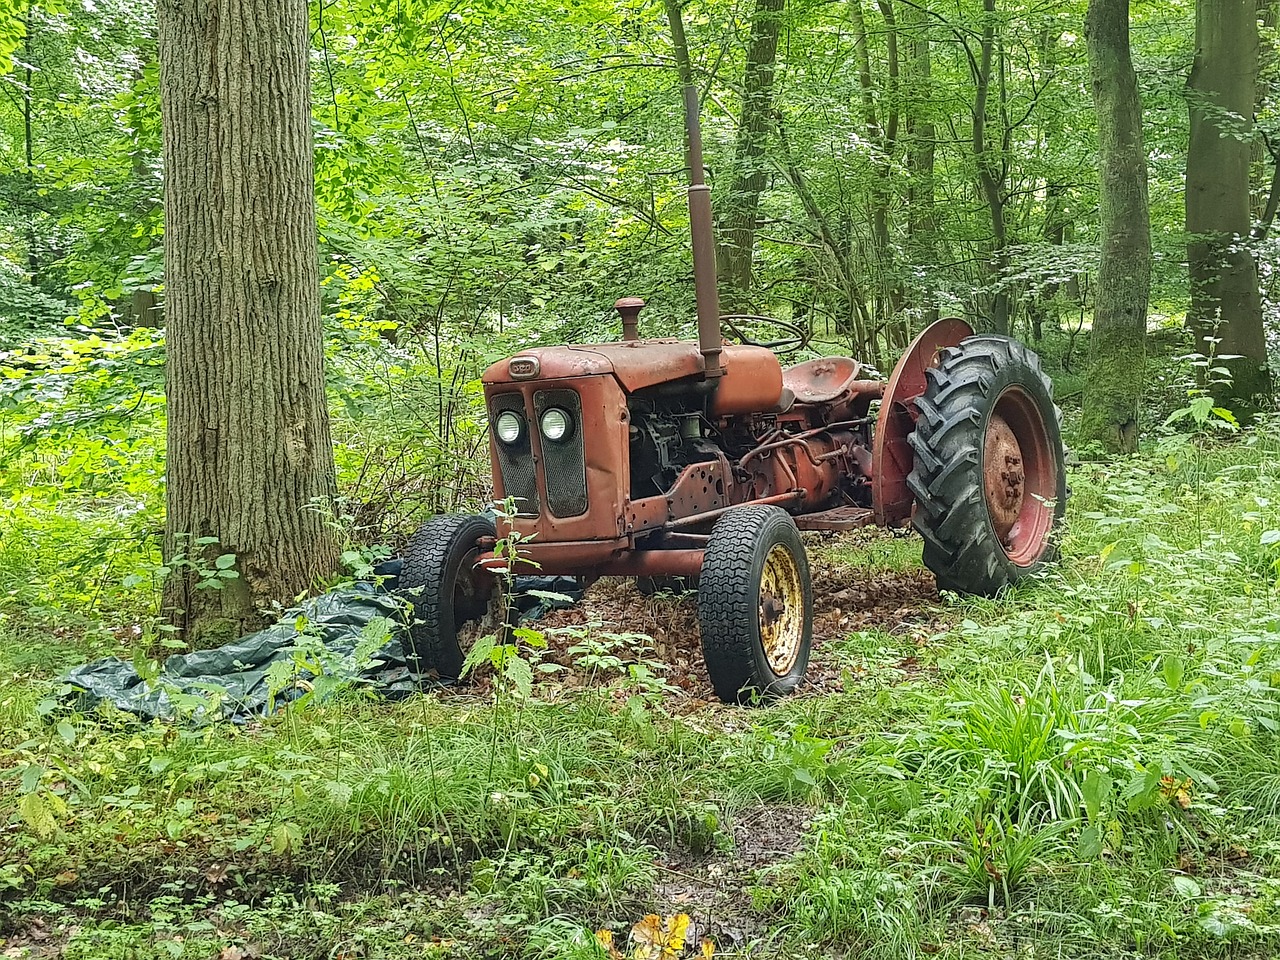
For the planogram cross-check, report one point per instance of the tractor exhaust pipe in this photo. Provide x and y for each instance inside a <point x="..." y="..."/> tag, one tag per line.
<point x="710" y="343"/>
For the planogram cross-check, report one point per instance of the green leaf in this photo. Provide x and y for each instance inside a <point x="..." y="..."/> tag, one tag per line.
<point x="1186" y="887"/>
<point x="225" y="562"/>
<point x="1090" y="845"/>
<point x="518" y="671"/>
<point x="479" y="653"/>
<point x="534" y="638"/>
<point x="37" y="815"/>
<point x="1096" y="790"/>
<point x="66" y="731"/>
<point x="1172" y="671"/>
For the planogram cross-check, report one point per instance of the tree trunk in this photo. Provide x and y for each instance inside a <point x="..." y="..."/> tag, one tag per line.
<point x="991" y="164"/>
<point x="1226" y="306"/>
<point x="742" y="201"/>
<point x="1113" y="385"/>
<point x="922" y="135"/>
<point x="29" y="171"/>
<point x="249" y="449"/>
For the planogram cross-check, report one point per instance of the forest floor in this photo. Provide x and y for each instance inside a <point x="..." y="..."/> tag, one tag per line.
<point x="1085" y="767"/>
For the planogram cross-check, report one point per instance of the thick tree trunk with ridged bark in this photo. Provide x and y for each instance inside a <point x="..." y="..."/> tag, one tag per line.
<point x="1113" y="386"/>
<point x="1225" y="302"/>
<point x="249" y="449"/>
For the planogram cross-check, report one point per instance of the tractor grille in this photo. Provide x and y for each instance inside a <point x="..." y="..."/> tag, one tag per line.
<point x="516" y="460"/>
<point x="564" y="461"/>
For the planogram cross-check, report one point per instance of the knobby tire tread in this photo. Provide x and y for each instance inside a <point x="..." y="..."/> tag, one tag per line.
<point x="960" y="544"/>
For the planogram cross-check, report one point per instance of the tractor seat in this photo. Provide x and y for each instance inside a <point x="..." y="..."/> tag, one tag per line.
<point x="821" y="380"/>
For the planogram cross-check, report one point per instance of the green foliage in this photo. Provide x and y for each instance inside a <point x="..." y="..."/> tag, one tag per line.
<point x="1090" y="761"/>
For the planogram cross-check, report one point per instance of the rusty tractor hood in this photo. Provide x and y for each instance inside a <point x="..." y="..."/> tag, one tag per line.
<point x="636" y="363"/>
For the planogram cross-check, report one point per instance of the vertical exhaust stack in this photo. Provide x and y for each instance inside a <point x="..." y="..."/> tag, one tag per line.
<point x="710" y="343"/>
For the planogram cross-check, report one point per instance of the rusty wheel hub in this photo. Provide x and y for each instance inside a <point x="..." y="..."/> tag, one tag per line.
<point x="781" y="610"/>
<point x="1003" y="477"/>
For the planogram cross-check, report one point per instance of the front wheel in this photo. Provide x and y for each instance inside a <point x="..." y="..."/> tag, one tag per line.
<point x="989" y="479"/>
<point x="755" y="605"/>
<point x="454" y="601"/>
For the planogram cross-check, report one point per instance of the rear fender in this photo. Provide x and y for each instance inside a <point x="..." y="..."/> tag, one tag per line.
<point x="892" y="457"/>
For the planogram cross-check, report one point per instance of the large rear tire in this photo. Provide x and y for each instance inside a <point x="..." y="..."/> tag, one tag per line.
<point x="755" y="605"/>
<point x="989" y="478"/>
<point x="454" y="602"/>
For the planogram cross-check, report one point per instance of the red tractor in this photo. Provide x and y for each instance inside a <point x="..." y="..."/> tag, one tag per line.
<point x="660" y="458"/>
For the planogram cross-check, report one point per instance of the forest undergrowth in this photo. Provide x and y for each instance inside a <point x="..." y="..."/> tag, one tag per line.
<point x="1086" y="767"/>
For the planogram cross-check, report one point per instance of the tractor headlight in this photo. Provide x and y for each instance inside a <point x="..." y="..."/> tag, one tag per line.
<point x="556" y="424"/>
<point x="509" y="426"/>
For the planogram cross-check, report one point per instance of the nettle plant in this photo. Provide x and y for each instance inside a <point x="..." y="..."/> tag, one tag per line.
<point x="514" y="652"/>
<point x="1201" y="408"/>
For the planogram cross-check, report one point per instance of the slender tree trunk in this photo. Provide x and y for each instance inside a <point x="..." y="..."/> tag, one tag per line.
<point x="750" y="172"/>
<point x="1264" y="201"/>
<point x="990" y="162"/>
<point x="1113" y="385"/>
<point x="28" y="148"/>
<point x="922" y="135"/>
<point x="1226" y="306"/>
<point x="249" y="449"/>
<point x="1040" y="307"/>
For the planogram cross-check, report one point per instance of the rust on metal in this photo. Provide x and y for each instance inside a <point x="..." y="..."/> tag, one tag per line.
<point x="701" y="487"/>
<point x="751" y="382"/>
<point x="1020" y="476"/>
<point x="837" y="518"/>
<point x="700" y="518"/>
<point x="604" y="426"/>
<point x="1003" y="480"/>
<point x="892" y="454"/>
<point x="629" y="309"/>
<point x="821" y="380"/>
<point x="638" y="364"/>
<point x="781" y="610"/>
<point x="595" y="558"/>
<point x="701" y="227"/>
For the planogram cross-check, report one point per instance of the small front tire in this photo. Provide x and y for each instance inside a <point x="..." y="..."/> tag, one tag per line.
<point x="454" y="602"/>
<point x="755" y="605"/>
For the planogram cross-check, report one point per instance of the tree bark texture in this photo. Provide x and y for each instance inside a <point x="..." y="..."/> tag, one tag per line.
<point x="249" y="448"/>
<point x="1114" y="383"/>
<point x="992" y="161"/>
<point x="28" y="93"/>
<point x="1225" y="301"/>
<point x="750" y="174"/>
<point x="922" y="135"/>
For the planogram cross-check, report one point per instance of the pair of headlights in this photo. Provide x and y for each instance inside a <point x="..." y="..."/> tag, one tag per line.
<point x="556" y="424"/>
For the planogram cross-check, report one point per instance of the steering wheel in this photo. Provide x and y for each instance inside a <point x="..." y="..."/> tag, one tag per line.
<point x="797" y="337"/>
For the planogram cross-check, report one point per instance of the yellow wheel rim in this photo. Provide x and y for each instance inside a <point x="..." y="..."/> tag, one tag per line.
<point x="781" y="610"/>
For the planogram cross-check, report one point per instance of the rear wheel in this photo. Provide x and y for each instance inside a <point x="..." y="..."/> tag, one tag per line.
<point x="989" y="480"/>
<point x="454" y="601"/>
<point x="755" y="605"/>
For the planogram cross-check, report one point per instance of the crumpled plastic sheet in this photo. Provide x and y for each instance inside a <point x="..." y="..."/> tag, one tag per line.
<point x="237" y="682"/>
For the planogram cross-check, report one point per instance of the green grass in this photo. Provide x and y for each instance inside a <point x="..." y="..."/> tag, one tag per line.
<point x="1087" y="767"/>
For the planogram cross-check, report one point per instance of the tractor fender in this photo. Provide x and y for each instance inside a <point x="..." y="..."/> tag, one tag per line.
<point x="892" y="457"/>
